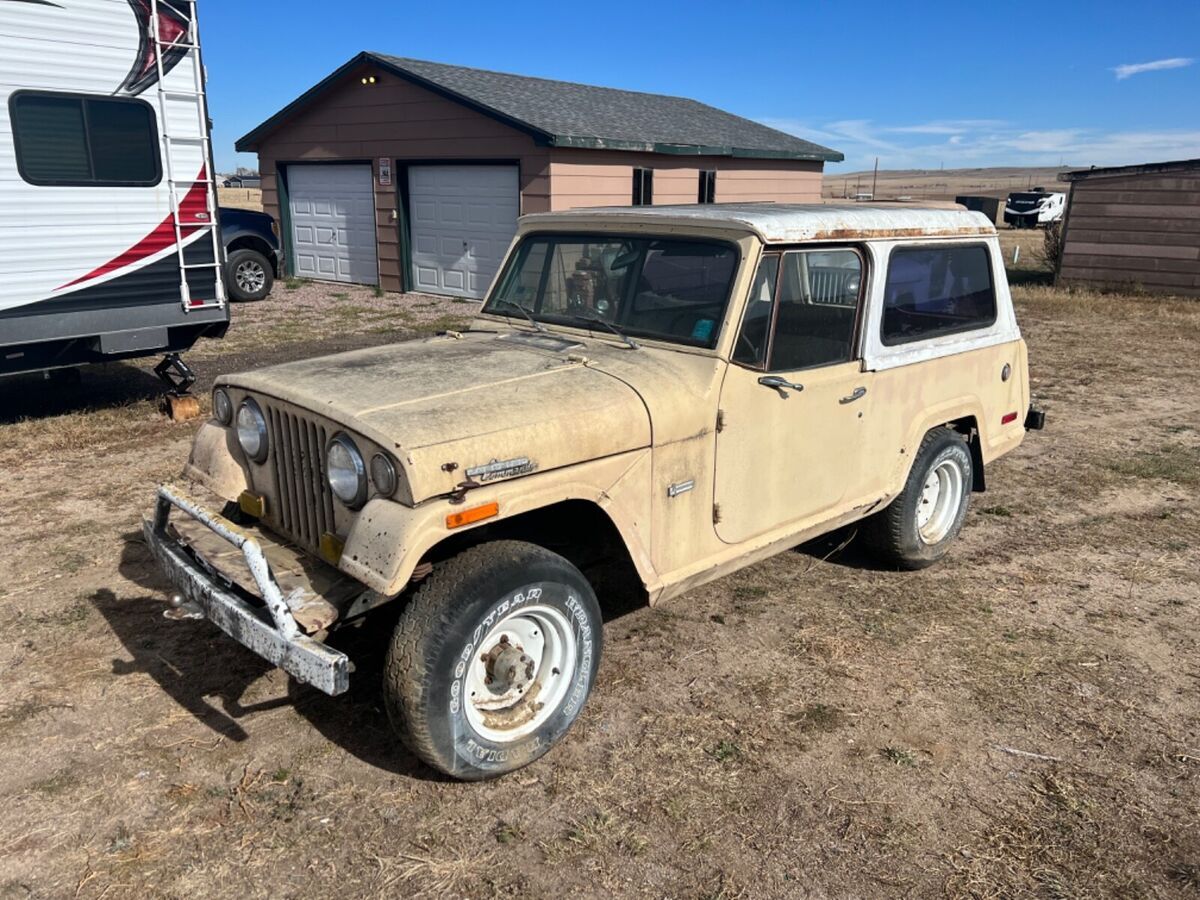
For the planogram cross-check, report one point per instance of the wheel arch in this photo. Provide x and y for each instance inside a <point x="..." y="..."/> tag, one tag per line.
<point x="962" y="416"/>
<point x="255" y="243"/>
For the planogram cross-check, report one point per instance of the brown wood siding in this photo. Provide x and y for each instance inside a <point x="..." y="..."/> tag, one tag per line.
<point x="403" y="122"/>
<point x="605" y="178"/>
<point x="1139" y="230"/>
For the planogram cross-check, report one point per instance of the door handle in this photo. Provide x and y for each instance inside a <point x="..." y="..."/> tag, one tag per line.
<point x="857" y="394"/>
<point x="780" y="384"/>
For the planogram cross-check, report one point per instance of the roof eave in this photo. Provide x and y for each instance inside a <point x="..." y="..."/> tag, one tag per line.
<point x="1175" y="165"/>
<point x="581" y="142"/>
<point x="251" y="141"/>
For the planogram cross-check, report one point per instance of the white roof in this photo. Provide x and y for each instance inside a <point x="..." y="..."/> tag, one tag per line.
<point x="787" y="223"/>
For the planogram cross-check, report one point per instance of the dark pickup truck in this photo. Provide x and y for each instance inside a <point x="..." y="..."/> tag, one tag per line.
<point x="252" y="252"/>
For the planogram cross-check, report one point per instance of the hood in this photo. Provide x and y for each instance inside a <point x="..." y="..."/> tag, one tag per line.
<point x="485" y="405"/>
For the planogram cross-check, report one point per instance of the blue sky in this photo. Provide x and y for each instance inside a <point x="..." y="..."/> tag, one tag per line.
<point x="958" y="84"/>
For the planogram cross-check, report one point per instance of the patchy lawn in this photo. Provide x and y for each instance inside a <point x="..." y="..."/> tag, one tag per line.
<point x="1022" y="720"/>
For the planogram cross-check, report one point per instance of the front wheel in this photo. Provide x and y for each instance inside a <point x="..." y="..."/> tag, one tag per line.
<point x="917" y="528"/>
<point x="493" y="659"/>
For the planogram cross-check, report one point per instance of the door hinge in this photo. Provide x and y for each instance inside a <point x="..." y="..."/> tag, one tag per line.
<point x="716" y="513"/>
<point x="720" y="420"/>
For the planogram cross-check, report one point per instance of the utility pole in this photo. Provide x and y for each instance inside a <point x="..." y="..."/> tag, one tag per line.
<point x="875" y="178"/>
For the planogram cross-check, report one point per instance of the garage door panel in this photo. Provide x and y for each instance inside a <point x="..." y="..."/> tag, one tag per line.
<point x="455" y="205"/>
<point x="333" y="222"/>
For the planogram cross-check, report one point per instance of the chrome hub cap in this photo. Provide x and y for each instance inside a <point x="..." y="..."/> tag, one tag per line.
<point x="521" y="673"/>
<point x="250" y="277"/>
<point x="939" y="502"/>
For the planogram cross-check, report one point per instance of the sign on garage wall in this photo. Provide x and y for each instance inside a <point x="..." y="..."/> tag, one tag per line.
<point x="385" y="171"/>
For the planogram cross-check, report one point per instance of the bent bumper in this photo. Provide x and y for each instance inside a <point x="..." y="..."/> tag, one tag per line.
<point x="269" y="631"/>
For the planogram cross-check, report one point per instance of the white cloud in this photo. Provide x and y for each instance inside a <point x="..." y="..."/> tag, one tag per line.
<point x="987" y="142"/>
<point x="1129" y="69"/>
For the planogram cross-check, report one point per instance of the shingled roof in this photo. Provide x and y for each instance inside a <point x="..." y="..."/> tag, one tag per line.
<point x="565" y="114"/>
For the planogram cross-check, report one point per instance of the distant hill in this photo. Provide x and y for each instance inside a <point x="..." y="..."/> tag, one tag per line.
<point x="943" y="184"/>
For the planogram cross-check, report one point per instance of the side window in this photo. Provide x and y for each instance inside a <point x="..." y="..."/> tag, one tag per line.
<point x="932" y="291"/>
<point x="73" y="139"/>
<point x="751" y="346"/>
<point x="818" y="307"/>
<point x="643" y="187"/>
<point x="708" y="186"/>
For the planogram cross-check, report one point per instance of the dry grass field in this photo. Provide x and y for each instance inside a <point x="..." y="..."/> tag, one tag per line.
<point x="240" y="198"/>
<point x="1022" y="720"/>
<point x="941" y="184"/>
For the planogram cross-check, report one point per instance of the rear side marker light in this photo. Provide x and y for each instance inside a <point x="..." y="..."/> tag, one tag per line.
<point x="474" y="514"/>
<point x="1010" y="417"/>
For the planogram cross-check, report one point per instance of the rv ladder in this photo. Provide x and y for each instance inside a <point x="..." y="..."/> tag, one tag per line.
<point x="202" y="223"/>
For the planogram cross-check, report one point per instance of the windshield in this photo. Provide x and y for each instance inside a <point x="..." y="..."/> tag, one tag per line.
<point x="664" y="288"/>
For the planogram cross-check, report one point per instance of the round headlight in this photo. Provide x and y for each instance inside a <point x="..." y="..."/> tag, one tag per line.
<point x="347" y="472"/>
<point x="383" y="475"/>
<point x="252" y="430"/>
<point x="222" y="407"/>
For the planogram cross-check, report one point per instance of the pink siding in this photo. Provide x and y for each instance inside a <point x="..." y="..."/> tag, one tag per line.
<point x="605" y="178"/>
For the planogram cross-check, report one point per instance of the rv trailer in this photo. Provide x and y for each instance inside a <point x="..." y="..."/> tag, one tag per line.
<point x="1033" y="208"/>
<point x="109" y="236"/>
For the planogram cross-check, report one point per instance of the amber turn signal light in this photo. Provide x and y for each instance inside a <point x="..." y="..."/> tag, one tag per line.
<point x="252" y="504"/>
<point x="474" y="514"/>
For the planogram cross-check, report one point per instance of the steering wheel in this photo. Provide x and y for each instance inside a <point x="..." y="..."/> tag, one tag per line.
<point x="743" y="339"/>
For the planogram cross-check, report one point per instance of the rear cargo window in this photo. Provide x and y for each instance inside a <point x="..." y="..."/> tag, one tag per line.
<point x="71" y="139"/>
<point x="933" y="291"/>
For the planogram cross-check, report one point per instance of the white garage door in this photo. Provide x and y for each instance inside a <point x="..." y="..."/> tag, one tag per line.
<point x="333" y="222"/>
<point x="463" y="219"/>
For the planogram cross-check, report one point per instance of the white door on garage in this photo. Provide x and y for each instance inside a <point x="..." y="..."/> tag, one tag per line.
<point x="462" y="221"/>
<point x="333" y="222"/>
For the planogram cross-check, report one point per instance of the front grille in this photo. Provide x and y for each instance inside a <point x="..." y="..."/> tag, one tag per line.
<point x="303" y="508"/>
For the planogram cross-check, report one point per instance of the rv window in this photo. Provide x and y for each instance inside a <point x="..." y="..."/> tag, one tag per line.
<point x="65" y="139"/>
<point x="933" y="291"/>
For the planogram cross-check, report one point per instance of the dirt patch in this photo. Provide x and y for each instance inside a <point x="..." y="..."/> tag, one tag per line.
<point x="812" y="726"/>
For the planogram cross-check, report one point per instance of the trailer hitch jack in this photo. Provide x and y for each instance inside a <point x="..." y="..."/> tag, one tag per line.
<point x="178" y="403"/>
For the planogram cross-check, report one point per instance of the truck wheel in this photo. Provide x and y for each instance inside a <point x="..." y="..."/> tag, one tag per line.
<point x="248" y="275"/>
<point x="493" y="659"/>
<point x="916" y="528"/>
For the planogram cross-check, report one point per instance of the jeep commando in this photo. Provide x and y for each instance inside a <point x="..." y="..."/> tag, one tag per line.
<point x="649" y="398"/>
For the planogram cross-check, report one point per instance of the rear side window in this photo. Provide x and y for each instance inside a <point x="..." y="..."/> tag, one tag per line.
<point x="72" y="139"/>
<point x="934" y="291"/>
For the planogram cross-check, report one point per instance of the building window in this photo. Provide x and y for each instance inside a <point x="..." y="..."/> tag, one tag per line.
<point x="73" y="139"/>
<point x="932" y="291"/>
<point x="643" y="187"/>
<point x="708" y="186"/>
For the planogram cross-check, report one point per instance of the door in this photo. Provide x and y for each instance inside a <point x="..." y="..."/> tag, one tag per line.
<point x="795" y="403"/>
<point x="462" y="221"/>
<point x="333" y="222"/>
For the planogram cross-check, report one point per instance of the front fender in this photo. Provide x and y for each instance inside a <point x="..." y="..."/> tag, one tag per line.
<point x="388" y="539"/>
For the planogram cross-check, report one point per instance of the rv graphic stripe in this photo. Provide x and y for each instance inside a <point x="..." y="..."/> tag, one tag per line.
<point x="192" y="209"/>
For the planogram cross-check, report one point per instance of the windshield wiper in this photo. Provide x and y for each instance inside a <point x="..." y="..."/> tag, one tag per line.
<point x="524" y="310"/>
<point x="595" y="317"/>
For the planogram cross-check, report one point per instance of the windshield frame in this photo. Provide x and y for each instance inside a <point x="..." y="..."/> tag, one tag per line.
<point x="572" y="322"/>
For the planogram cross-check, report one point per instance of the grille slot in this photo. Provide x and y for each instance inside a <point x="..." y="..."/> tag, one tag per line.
<point x="303" y="507"/>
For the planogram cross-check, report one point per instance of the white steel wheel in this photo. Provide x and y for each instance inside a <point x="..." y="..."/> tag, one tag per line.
<point x="520" y="674"/>
<point x="939" y="502"/>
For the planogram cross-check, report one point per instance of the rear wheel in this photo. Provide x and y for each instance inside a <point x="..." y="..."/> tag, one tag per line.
<point x="249" y="275"/>
<point x="493" y="659"/>
<point x="917" y="528"/>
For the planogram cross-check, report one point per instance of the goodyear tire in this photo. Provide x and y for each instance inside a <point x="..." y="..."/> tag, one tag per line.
<point x="248" y="275"/>
<point x="492" y="659"/>
<point x="917" y="528"/>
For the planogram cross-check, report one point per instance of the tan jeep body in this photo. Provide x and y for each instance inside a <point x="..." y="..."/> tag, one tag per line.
<point x="700" y="468"/>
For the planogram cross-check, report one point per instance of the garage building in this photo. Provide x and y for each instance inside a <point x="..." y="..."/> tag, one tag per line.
<point x="411" y="174"/>
<point x="1134" y="226"/>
